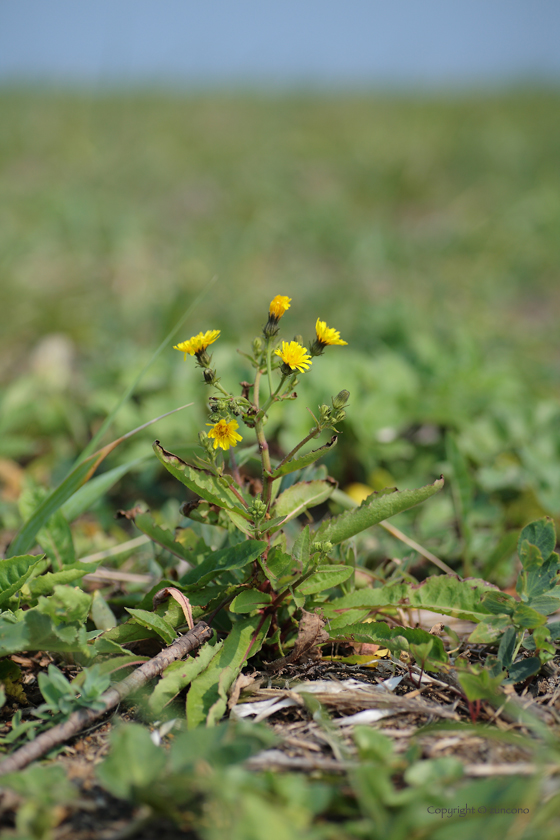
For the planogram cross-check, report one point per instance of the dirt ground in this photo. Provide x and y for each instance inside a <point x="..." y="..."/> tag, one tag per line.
<point x="391" y="696"/>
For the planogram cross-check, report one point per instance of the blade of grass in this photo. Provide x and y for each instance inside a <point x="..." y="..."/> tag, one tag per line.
<point x="25" y="538"/>
<point x="127" y="394"/>
<point x="84" y="498"/>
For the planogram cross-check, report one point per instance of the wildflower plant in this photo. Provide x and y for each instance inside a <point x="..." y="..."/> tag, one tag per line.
<point x="270" y="572"/>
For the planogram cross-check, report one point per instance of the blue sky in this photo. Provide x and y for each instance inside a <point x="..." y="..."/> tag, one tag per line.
<point x="410" y="43"/>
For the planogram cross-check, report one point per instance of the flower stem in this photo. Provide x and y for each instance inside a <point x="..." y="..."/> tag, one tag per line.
<point x="265" y="459"/>
<point x="269" y="364"/>
<point x="220" y="388"/>
<point x="273" y="396"/>
<point x="312" y="434"/>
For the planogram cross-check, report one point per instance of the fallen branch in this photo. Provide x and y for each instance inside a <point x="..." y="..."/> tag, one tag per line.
<point x="110" y="698"/>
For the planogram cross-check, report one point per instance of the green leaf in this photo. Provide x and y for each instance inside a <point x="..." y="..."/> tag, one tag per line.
<point x="348" y="617"/>
<point x="14" y="637"/>
<point x="46" y="583"/>
<point x="152" y="621"/>
<point x="532" y="557"/>
<point x="538" y="580"/>
<point x="303" y="495"/>
<point x="43" y="633"/>
<point x="180" y="674"/>
<point x="56" y="541"/>
<point x="278" y="564"/>
<point x="482" y="686"/>
<point x="245" y="639"/>
<point x="394" y="638"/>
<point x="67" y="604"/>
<point x="14" y="572"/>
<point x="526" y="617"/>
<point x="214" y="489"/>
<point x="134" y="763"/>
<point x="440" y="593"/>
<point x="325" y="577"/>
<point x="553" y="630"/>
<point x="524" y="669"/>
<point x="376" y="508"/>
<point x="506" y="650"/>
<point x="226" y="559"/>
<point x="546" y="604"/>
<point x="145" y="523"/>
<point x="249" y="600"/>
<point x="490" y="632"/>
<point x="125" y="634"/>
<point x="47" y="786"/>
<point x="219" y="746"/>
<point x="300" y="548"/>
<point x="541" y="534"/>
<point x="101" y="613"/>
<point x="240" y="522"/>
<point x="304" y="460"/>
<point x="498" y="603"/>
<point x="53" y="685"/>
<point x="85" y="498"/>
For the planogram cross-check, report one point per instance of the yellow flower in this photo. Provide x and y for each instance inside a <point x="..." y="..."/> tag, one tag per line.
<point x="294" y="355"/>
<point x="198" y="343"/>
<point x="327" y="335"/>
<point x="224" y="433"/>
<point x="278" y="306"/>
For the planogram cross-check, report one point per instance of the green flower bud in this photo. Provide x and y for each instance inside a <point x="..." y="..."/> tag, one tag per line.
<point x="340" y="400"/>
<point x="257" y="510"/>
<point x="322" y="547"/>
<point x="324" y="415"/>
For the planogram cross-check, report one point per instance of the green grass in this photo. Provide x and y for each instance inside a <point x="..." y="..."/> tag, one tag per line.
<point x="116" y="210"/>
<point x="424" y="229"/>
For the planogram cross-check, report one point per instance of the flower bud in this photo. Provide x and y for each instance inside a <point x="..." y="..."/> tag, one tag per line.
<point x="324" y="415"/>
<point x="203" y="359"/>
<point x="322" y="547"/>
<point x="257" y="510"/>
<point x="340" y="400"/>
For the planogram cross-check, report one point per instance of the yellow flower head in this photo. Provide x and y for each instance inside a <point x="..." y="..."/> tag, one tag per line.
<point x="198" y="343"/>
<point x="327" y="335"/>
<point x="278" y="306"/>
<point x="224" y="433"/>
<point x="294" y="355"/>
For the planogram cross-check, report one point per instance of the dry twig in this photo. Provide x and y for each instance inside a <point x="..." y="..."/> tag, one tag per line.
<point x="110" y="698"/>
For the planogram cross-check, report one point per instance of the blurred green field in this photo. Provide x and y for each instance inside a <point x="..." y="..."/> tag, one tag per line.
<point x="425" y="230"/>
